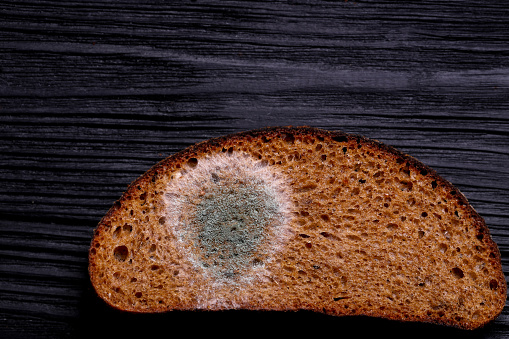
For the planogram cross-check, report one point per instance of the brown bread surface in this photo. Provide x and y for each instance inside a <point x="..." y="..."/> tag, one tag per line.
<point x="298" y="218"/>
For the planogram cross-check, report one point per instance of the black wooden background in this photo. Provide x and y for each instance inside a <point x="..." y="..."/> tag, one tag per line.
<point x="92" y="93"/>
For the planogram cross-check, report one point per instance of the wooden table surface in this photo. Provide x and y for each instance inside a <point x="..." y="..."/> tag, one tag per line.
<point x="92" y="93"/>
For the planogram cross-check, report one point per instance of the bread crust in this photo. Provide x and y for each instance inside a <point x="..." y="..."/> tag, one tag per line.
<point x="201" y="149"/>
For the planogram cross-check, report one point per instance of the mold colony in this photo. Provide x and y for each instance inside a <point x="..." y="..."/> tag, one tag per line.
<point x="229" y="213"/>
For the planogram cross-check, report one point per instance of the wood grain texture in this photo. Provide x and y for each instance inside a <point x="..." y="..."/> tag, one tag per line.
<point x="94" y="93"/>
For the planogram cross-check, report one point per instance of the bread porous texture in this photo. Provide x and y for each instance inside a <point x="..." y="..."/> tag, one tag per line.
<point x="298" y="218"/>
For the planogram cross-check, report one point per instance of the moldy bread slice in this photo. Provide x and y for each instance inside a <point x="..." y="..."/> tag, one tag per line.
<point x="298" y="218"/>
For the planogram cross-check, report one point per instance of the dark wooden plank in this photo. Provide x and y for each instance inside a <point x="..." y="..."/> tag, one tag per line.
<point x="94" y="93"/>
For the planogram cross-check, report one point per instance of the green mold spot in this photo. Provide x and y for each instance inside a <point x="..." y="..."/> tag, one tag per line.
<point x="231" y="223"/>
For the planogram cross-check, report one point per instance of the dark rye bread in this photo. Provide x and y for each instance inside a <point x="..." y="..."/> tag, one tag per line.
<point x="298" y="218"/>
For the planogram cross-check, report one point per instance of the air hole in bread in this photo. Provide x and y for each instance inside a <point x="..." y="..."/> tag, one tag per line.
<point x="405" y="185"/>
<point x="138" y="294"/>
<point x="192" y="162"/>
<point x="288" y="137"/>
<point x="325" y="234"/>
<point x="340" y="138"/>
<point x="116" y="232"/>
<point x="458" y="272"/>
<point x="493" y="284"/>
<point x="405" y="171"/>
<point x="127" y="228"/>
<point x="121" y="253"/>
<point x="392" y="226"/>
<point x="257" y="262"/>
<point x="443" y="247"/>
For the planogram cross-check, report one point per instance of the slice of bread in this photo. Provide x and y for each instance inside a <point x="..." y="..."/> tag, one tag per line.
<point x="298" y="218"/>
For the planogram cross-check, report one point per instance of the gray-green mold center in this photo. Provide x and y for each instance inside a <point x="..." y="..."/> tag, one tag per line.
<point x="231" y="222"/>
